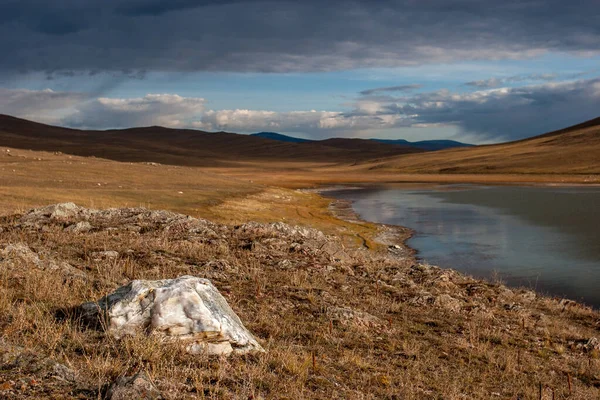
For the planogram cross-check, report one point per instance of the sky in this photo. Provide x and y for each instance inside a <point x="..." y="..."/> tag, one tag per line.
<point x="470" y="70"/>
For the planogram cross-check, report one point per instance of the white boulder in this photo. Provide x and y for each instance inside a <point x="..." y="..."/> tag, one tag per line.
<point x="187" y="308"/>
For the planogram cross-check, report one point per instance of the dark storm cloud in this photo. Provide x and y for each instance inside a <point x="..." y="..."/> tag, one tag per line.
<point x="158" y="7"/>
<point x="401" y="88"/>
<point x="278" y="36"/>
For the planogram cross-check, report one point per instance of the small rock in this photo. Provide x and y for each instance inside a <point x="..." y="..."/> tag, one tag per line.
<point x="105" y="255"/>
<point x="448" y="302"/>
<point x="79" y="227"/>
<point x="40" y="216"/>
<point x="64" y="373"/>
<point x="137" y="386"/>
<point x="346" y="315"/>
<point x="512" y="307"/>
<point x="592" y="344"/>
<point x="527" y="296"/>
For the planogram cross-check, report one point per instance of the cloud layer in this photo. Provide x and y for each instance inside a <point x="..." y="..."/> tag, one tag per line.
<point x="483" y="115"/>
<point x="168" y="110"/>
<point x="286" y="35"/>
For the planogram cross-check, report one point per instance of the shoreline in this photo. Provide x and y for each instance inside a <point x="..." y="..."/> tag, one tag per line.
<point x="395" y="237"/>
<point x="392" y="236"/>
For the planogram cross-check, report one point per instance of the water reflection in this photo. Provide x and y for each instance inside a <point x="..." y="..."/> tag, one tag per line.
<point x="543" y="238"/>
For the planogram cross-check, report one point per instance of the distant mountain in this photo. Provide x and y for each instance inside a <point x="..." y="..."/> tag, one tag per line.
<point x="426" y="145"/>
<point x="280" y="137"/>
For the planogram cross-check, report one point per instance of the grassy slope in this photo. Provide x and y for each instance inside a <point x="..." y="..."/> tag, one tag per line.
<point x="574" y="150"/>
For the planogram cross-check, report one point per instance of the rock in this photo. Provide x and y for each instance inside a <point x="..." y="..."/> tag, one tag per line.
<point x="105" y="255"/>
<point x="444" y="282"/>
<point x="137" y="386"/>
<point x="527" y="296"/>
<point x="14" y="357"/>
<point x="64" y="373"/>
<point x="79" y="227"/>
<point x="55" y="211"/>
<point x="592" y="344"/>
<point x="20" y="254"/>
<point x="187" y="308"/>
<point x="512" y="307"/>
<point x="422" y="299"/>
<point x="448" y="302"/>
<point x="347" y="315"/>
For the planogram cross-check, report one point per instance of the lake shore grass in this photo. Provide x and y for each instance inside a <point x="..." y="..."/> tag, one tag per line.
<point x="357" y="320"/>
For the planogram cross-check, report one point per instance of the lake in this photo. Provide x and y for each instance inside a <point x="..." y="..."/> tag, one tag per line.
<point x="543" y="238"/>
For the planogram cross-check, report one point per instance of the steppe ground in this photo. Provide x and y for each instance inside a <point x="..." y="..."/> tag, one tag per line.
<point x="434" y="334"/>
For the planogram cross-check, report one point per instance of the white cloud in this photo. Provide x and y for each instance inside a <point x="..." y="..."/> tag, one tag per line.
<point x="45" y="105"/>
<point x="483" y="115"/>
<point x="169" y="110"/>
<point x="315" y="123"/>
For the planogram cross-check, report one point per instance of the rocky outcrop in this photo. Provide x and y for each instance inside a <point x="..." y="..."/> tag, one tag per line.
<point x="187" y="309"/>
<point x="80" y="220"/>
<point x="19" y="254"/>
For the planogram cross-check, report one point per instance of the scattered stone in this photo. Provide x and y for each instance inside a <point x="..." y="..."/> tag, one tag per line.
<point x="20" y="254"/>
<point x="80" y="227"/>
<point x="105" y="255"/>
<point x="137" y="386"/>
<point x="63" y="372"/>
<point x="512" y="307"/>
<point x="592" y="344"/>
<point x="43" y="216"/>
<point x="448" y="302"/>
<point x="527" y="296"/>
<point x="346" y="315"/>
<point x="187" y="308"/>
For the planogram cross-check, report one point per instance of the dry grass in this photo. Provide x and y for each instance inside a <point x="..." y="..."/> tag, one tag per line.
<point x="398" y="344"/>
<point x="569" y="152"/>
<point x="414" y="350"/>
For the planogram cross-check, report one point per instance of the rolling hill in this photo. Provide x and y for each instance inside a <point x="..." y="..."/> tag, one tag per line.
<point x="182" y="146"/>
<point x="280" y="137"/>
<point x="426" y="145"/>
<point x="572" y="150"/>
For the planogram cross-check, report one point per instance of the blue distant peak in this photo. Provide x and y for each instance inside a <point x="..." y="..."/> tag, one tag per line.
<point x="427" y="145"/>
<point x="280" y="137"/>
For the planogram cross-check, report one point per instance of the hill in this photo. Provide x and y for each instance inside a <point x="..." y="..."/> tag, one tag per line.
<point x="426" y="145"/>
<point x="179" y="146"/>
<point x="572" y="150"/>
<point x="280" y="137"/>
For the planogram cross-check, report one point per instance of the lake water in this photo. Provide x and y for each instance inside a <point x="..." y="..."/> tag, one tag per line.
<point x="544" y="238"/>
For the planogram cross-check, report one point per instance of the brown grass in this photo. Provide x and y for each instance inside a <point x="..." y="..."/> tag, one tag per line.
<point x="410" y="351"/>
<point x="416" y="351"/>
